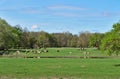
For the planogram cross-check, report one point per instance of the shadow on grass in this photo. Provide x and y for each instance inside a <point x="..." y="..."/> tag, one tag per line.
<point x="117" y="65"/>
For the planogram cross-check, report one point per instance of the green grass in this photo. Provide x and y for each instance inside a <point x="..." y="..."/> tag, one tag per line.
<point x="60" y="68"/>
<point x="64" y="52"/>
<point x="74" y="52"/>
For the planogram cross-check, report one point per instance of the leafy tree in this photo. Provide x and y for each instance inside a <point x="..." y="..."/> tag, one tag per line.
<point x="7" y="36"/>
<point x="17" y="30"/>
<point x="111" y="41"/>
<point x="73" y="42"/>
<point x="24" y="40"/>
<point x="59" y="39"/>
<point x="44" y="39"/>
<point x="52" y="40"/>
<point x="95" y="40"/>
<point x="83" y="40"/>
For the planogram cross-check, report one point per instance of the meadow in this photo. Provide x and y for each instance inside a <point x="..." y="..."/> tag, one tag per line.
<point x="93" y="52"/>
<point x="60" y="68"/>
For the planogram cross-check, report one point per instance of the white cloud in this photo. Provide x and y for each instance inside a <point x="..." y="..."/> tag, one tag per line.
<point x="65" y="8"/>
<point x="91" y="14"/>
<point x="66" y="14"/>
<point x="35" y="26"/>
<point x="26" y="10"/>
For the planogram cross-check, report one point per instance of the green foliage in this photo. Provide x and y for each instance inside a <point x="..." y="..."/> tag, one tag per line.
<point x="111" y="41"/>
<point x="74" y="41"/>
<point x="7" y="36"/>
<point x="95" y="40"/>
<point x="17" y="31"/>
<point x="83" y="40"/>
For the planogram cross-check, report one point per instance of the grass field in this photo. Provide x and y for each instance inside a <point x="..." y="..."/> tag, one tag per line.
<point x="62" y="52"/>
<point x="60" y="68"/>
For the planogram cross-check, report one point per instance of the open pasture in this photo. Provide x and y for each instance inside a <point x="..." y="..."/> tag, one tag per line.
<point x="56" y="52"/>
<point x="18" y="67"/>
<point x="48" y="68"/>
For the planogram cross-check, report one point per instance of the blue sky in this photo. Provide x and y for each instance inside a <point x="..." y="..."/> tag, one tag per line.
<point x="61" y="15"/>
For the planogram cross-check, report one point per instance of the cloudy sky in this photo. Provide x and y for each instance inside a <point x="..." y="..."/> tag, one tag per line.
<point x="61" y="15"/>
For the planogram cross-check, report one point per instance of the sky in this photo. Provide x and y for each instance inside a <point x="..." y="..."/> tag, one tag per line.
<point x="61" y="15"/>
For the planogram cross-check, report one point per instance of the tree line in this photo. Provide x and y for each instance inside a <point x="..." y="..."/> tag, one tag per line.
<point x="18" y="38"/>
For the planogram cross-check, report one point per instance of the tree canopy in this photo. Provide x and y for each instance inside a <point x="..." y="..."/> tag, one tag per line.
<point x="7" y="35"/>
<point x="111" y="41"/>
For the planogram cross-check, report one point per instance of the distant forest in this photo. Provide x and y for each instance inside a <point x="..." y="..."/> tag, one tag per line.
<point x="15" y="37"/>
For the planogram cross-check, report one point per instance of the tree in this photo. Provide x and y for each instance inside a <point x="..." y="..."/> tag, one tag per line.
<point x="7" y="36"/>
<point x="83" y="40"/>
<point x="52" y="40"/>
<point x="17" y="30"/>
<point x="44" y="39"/>
<point x="68" y="39"/>
<point x="73" y="42"/>
<point x="95" y="40"/>
<point x="111" y="41"/>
